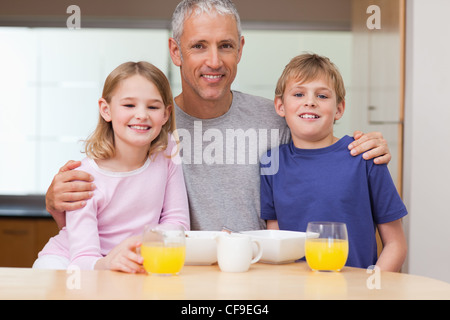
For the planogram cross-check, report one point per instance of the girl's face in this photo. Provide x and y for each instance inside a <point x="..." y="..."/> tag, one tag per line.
<point x="137" y="112"/>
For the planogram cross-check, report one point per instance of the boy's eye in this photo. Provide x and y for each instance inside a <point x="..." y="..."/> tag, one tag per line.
<point x="299" y="95"/>
<point x="322" y="96"/>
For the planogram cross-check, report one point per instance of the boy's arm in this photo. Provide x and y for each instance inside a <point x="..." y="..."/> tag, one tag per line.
<point x="394" y="246"/>
<point x="272" y="225"/>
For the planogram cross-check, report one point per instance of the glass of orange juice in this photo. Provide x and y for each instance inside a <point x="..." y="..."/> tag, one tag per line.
<point x="326" y="246"/>
<point x="163" y="249"/>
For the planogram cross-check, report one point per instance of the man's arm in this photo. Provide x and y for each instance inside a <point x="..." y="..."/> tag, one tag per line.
<point x="372" y="145"/>
<point x="68" y="191"/>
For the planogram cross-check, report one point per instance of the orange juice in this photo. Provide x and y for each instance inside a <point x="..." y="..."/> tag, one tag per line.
<point x="162" y="259"/>
<point x="326" y="254"/>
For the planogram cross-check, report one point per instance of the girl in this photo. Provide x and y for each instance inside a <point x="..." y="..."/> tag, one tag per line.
<point x="138" y="181"/>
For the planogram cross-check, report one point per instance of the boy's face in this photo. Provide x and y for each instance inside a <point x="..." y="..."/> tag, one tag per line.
<point x="310" y="109"/>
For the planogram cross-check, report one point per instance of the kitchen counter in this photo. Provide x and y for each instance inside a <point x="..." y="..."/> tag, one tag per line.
<point x="262" y="282"/>
<point x="29" y="206"/>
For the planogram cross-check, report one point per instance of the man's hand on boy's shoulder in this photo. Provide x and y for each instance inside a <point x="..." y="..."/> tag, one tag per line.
<point x="372" y="145"/>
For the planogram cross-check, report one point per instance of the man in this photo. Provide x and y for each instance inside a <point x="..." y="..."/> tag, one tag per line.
<point x="222" y="132"/>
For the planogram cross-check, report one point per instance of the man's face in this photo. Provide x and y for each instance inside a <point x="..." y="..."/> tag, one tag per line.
<point x="208" y="54"/>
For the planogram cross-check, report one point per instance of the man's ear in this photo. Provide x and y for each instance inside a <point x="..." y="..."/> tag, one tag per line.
<point x="167" y="112"/>
<point x="339" y="110"/>
<point x="175" y="52"/>
<point x="104" y="109"/>
<point x="241" y="48"/>
<point x="279" y="106"/>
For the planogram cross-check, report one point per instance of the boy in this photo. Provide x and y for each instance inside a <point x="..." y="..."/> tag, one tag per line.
<point x="318" y="180"/>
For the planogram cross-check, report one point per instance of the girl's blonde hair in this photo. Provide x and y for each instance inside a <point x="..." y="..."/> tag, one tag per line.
<point x="308" y="67"/>
<point x="100" y="144"/>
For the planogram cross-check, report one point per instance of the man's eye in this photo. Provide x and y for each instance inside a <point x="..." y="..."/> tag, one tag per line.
<point x="197" y="46"/>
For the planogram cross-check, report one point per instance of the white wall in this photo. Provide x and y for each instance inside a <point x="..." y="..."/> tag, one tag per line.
<point x="427" y="138"/>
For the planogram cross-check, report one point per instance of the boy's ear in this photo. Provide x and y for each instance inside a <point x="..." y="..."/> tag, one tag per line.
<point x="279" y="106"/>
<point x="104" y="109"/>
<point x="340" y="110"/>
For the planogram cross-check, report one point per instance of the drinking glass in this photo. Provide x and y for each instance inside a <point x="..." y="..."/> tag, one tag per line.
<point x="163" y="249"/>
<point x="326" y="246"/>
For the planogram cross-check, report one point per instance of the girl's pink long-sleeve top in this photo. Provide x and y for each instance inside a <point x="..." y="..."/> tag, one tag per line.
<point x="122" y="204"/>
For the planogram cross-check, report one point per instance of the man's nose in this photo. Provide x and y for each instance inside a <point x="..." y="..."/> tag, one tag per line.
<point x="214" y="60"/>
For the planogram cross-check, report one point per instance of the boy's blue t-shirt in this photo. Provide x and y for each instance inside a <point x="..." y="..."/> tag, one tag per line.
<point x="329" y="184"/>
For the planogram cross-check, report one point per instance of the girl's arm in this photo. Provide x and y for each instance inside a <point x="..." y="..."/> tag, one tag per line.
<point x="83" y="235"/>
<point x="175" y="208"/>
<point x="394" y="246"/>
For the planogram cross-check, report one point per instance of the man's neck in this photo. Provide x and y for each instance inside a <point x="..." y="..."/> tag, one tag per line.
<point x="204" y="109"/>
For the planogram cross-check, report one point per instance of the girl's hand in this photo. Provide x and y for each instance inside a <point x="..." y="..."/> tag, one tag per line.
<point x="123" y="257"/>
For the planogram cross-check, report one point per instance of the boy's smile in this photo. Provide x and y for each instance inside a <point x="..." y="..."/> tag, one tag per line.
<point x="310" y="110"/>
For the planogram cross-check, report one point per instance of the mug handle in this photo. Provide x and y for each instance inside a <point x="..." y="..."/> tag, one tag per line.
<point x="259" y="254"/>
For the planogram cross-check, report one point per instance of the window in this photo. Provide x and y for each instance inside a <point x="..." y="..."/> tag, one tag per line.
<point x="52" y="79"/>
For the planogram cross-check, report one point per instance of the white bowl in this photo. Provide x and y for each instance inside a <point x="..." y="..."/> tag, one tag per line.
<point x="280" y="246"/>
<point x="201" y="247"/>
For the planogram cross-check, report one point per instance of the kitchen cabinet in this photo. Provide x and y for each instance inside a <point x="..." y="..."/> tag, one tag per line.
<point x="25" y="227"/>
<point x="21" y="239"/>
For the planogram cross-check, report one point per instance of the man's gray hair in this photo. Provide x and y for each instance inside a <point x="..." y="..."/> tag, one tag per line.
<point x="186" y="7"/>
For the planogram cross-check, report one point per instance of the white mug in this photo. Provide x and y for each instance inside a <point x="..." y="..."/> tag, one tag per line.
<point x="234" y="252"/>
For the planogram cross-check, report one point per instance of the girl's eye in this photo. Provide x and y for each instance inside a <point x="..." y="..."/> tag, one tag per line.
<point x="153" y="108"/>
<point x="129" y="105"/>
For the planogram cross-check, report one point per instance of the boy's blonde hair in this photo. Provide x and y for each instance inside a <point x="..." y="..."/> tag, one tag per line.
<point x="100" y="144"/>
<point x="308" y="67"/>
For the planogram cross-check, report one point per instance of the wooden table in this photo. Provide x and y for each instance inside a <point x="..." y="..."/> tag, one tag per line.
<point x="261" y="282"/>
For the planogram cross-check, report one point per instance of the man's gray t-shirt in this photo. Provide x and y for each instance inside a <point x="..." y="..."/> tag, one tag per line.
<point x="221" y="162"/>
